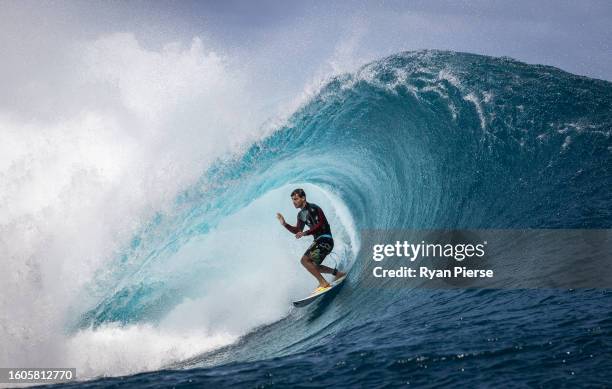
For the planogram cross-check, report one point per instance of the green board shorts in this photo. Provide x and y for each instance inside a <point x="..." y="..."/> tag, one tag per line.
<point x="319" y="249"/>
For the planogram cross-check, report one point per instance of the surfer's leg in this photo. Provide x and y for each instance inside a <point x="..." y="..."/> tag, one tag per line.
<point x="329" y="270"/>
<point x="318" y="253"/>
<point x="314" y="270"/>
<point x="326" y="269"/>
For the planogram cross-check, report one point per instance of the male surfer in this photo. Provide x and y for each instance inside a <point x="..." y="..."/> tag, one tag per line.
<point x="312" y="215"/>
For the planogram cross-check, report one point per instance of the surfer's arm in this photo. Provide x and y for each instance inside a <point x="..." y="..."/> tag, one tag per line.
<point x="294" y="229"/>
<point x="317" y="226"/>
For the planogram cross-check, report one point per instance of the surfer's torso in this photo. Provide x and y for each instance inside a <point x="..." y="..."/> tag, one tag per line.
<point x="312" y="215"/>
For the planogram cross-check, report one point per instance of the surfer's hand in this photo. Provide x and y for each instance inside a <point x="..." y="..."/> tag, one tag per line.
<point x="299" y="235"/>
<point x="280" y="218"/>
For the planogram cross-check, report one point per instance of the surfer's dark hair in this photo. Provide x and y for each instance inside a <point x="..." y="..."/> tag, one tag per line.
<point x="299" y="191"/>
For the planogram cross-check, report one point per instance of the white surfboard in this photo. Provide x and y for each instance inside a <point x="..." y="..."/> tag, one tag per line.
<point x="305" y="301"/>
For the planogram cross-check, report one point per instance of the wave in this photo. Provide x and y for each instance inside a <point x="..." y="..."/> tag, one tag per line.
<point x="427" y="139"/>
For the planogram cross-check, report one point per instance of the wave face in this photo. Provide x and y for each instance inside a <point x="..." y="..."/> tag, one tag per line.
<point x="422" y="139"/>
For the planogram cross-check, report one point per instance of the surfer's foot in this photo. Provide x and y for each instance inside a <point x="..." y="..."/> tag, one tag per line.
<point x="339" y="275"/>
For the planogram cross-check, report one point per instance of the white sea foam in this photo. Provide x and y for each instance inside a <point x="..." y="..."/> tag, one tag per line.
<point x="79" y="180"/>
<point x="471" y="97"/>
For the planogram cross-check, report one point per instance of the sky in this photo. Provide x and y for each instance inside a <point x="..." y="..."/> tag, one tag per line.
<point x="302" y="39"/>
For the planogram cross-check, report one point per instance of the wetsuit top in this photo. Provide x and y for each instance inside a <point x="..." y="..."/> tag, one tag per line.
<point x="311" y="215"/>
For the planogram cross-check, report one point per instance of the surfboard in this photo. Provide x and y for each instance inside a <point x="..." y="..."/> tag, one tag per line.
<point x="315" y="296"/>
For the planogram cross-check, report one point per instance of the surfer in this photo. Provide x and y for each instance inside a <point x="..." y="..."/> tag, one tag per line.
<point x="312" y="215"/>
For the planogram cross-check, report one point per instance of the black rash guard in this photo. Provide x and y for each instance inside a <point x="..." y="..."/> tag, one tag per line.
<point x="311" y="215"/>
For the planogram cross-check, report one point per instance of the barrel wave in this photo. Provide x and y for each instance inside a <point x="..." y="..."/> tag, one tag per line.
<point x="426" y="139"/>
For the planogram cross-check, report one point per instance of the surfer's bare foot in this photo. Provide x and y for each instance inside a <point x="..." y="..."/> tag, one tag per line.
<point x="325" y="285"/>
<point x="339" y="275"/>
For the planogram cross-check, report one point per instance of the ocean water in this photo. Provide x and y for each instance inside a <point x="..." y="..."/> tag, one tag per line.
<point x="427" y="139"/>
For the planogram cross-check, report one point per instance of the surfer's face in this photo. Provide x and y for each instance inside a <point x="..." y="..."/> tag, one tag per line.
<point x="298" y="201"/>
